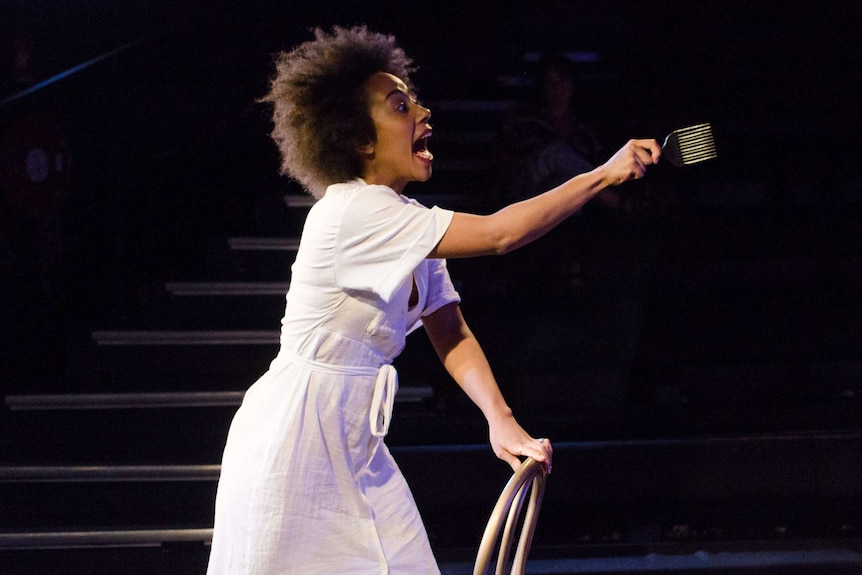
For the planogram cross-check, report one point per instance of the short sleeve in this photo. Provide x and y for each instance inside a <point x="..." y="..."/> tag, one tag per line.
<point x="383" y="237"/>
<point x="441" y="290"/>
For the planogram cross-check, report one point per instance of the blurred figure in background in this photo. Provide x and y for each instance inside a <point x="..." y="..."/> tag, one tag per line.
<point x="545" y="140"/>
<point x="589" y="275"/>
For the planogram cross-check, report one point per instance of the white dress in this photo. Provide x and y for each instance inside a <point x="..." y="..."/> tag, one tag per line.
<point x="307" y="485"/>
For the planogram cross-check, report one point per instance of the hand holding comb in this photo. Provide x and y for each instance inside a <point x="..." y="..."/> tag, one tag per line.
<point x="689" y="145"/>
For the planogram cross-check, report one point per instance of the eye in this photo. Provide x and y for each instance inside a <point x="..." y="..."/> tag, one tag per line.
<point x="402" y="106"/>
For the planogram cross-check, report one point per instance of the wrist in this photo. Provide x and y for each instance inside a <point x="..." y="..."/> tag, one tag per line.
<point x="498" y="413"/>
<point x="603" y="178"/>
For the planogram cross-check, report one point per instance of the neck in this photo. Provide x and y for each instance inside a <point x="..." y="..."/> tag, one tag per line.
<point x="376" y="180"/>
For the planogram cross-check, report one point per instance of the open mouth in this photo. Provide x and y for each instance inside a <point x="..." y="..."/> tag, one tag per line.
<point x="420" y="147"/>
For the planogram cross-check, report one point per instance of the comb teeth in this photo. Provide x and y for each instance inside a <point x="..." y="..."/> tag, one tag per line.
<point x="690" y="145"/>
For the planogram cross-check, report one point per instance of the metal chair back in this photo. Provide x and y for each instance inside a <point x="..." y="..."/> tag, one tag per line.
<point x="529" y="479"/>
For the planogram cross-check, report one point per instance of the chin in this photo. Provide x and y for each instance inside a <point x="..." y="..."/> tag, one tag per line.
<point x="426" y="176"/>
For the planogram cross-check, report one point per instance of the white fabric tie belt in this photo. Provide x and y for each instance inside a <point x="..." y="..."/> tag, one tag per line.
<point x="382" y="395"/>
<point x="383" y="400"/>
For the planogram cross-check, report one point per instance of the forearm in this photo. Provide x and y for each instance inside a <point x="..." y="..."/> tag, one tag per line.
<point x="466" y="363"/>
<point x="520" y="223"/>
<point x="530" y="219"/>
<point x="468" y="366"/>
<point x="464" y="359"/>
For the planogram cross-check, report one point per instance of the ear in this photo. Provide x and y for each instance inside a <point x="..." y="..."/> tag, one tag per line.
<point x="367" y="149"/>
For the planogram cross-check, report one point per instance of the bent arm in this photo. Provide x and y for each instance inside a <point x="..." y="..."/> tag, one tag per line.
<point x="523" y="222"/>
<point x="465" y="361"/>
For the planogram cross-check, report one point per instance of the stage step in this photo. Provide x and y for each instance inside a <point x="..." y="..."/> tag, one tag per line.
<point x="186" y="289"/>
<point x="88" y="401"/>
<point x="112" y="338"/>
<point x="173" y="558"/>
<point x="91" y="401"/>
<point x="107" y="473"/>
<point x="201" y="305"/>
<point x="267" y="244"/>
<point x="179" y="360"/>
<point x="107" y="538"/>
<point x="251" y="258"/>
<point x="187" y="554"/>
<point x="218" y="360"/>
<point x="155" y="428"/>
<point x="607" y="496"/>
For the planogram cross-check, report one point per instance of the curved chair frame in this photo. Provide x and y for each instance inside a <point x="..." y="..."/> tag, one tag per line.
<point x="529" y="478"/>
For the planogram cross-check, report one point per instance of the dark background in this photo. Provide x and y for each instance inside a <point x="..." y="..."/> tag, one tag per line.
<point x="698" y="363"/>
<point x="167" y="148"/>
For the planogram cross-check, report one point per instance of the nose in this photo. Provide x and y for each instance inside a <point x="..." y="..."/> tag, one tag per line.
<point x="423" y="113"/>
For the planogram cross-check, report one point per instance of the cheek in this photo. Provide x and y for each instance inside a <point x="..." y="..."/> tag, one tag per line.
<point x="395" y="141"/>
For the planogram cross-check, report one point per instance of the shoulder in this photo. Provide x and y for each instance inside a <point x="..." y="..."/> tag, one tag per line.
<point x="358" y="190"/>
<point x="349" y="197"/>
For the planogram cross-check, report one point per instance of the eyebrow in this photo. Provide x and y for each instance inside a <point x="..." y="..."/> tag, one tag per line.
<point x="398" y="91"/>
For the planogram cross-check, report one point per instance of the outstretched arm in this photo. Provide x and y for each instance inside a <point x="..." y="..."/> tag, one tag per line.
<point x="520" y="223"/>
<point x="465" y="361"/>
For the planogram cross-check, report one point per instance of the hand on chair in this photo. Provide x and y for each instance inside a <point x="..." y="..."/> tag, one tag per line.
<point x="510" y="443"/>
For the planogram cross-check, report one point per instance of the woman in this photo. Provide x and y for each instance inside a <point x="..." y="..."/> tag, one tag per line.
<point x="307" y="484"/>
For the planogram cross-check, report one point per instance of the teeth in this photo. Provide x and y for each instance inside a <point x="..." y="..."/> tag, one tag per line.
<point x="420" y="148"/>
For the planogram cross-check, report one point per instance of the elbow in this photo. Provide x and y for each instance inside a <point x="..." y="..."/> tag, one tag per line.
<point x="504" y="247"/>
<point x="501" y="241"/>
<point x="510" y="229"/>
<point x="500" y="246"/>
<point x="491" y="235"/>
<point x="507" y="243"/>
